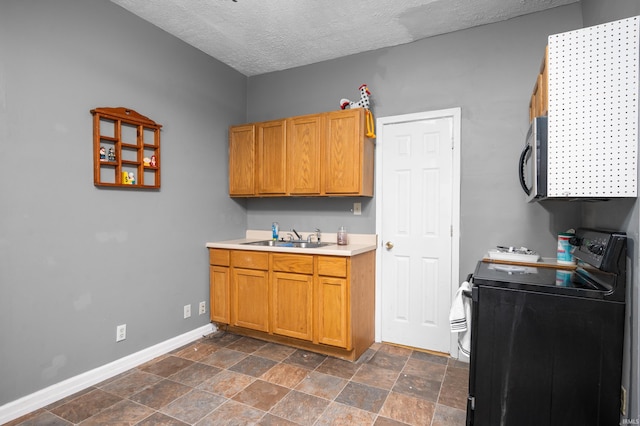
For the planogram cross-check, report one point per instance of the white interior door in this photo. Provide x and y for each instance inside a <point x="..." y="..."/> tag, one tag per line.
<point x="417" y="219"/>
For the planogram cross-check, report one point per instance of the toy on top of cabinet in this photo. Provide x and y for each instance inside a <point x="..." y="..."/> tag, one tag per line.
<point x="362" y="103"/>
<point x="365" y="94"/>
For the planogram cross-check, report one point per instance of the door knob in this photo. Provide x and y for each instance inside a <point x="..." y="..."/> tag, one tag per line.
<point x="389" y="245"/>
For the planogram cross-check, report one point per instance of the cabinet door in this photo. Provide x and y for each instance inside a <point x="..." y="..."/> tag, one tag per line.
<point x="293" y="305"/>
<point x="348" y="165"/>
<point x="250" y="307"/>
<point x="270" y="163"/>
<point x="242" y="160"/>
<point x="219" y="294"/>
<point x="303" y="154"/>
<point x="333" y="312"/>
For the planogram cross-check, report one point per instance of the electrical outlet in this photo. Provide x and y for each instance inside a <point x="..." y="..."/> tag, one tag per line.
<point x="187" y="311"/>
<point x="623" y="401"/>
<point x="357" y="209"/>
<point x="121" y="332"/>
<point x="202" y="308"/>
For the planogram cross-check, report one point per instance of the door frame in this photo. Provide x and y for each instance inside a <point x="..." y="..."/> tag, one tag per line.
<point x="455" y="114"/>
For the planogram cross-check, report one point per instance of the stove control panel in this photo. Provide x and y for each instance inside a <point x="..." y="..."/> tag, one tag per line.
<point x="601" y="249"/>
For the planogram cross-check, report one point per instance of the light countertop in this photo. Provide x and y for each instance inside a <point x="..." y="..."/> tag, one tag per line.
<point x="358" y="244"/>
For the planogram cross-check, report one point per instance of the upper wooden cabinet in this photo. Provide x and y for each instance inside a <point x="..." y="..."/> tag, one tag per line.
<point x="323" y="154"/>
<point x="539" y="103"/>
<point x="271" y="159"/>
<point x="242" y="152"/>
<point x="304" y="143"/>
<point x="348" y="158"/>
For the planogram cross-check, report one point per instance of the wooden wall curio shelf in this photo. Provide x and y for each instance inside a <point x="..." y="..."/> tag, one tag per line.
<point x="126" y="149"/>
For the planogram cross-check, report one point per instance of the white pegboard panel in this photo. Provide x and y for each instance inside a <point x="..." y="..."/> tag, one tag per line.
<point x="593" y="111"/>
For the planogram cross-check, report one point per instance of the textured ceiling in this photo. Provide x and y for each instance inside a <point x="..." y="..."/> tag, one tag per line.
<point x="260" y="36"/>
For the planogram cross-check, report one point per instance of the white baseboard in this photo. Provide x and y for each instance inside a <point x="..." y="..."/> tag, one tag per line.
<point x="46" y="396"/>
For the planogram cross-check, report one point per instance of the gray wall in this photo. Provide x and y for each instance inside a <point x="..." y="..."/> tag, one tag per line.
<point x="489" y="72"/>
<point x="75" y="260"/>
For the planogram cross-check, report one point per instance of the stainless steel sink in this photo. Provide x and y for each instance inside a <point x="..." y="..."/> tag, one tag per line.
<point x="304" y="244"/>
<point x="262" y="243"/>
<point x="295" y="244"/>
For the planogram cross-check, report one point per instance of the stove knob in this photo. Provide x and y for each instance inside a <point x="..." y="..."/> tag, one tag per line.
<point x="597" y="249"/>
<point x="575" y="241"/>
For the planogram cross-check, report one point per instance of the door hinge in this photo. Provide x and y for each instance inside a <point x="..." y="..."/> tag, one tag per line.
<point x="451" y="231"/>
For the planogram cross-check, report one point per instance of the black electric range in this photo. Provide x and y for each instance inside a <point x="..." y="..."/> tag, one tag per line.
<point x="546" y="343"/>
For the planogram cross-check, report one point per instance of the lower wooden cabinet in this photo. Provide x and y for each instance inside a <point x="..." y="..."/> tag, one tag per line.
<point x="219" y="286"/>
<point x="292" y="295"/>
<point x="292" y="305"/>
<point x="333" y="318"/>
<point x="333" y="301"/>
<point x="320" y="303"/>
<point x="250" y="290"/>
<point x="219" y="294"/>
<point x="249" y="287"/>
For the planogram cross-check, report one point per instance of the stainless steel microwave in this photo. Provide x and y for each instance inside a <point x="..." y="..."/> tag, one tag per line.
<point x="533" y="161"/>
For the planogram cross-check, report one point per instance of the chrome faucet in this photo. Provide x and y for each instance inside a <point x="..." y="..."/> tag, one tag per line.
<point x="317" y="234"/>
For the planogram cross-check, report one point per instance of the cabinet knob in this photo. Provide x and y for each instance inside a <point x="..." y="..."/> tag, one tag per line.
<point x="389" y="245"/>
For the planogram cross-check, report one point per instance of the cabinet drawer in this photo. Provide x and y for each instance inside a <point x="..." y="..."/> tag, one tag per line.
<point x="298" y="263"/>
<point x="250" y="259"/>
<point x="332" y="266"/>
<point x="219" y="257"/>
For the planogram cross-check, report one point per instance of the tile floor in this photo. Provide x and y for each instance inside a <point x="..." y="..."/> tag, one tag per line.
<point x="234" y="380"/>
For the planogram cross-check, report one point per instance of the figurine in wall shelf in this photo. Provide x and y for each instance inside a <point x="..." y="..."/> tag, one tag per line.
<point x="132" y="178"/>
<point x="154" y="162"/>
<point x="146" y="161"/>
<point x="125" y="178"/>
<point x="112" y="154"/>
<point x="103" y="152"/>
